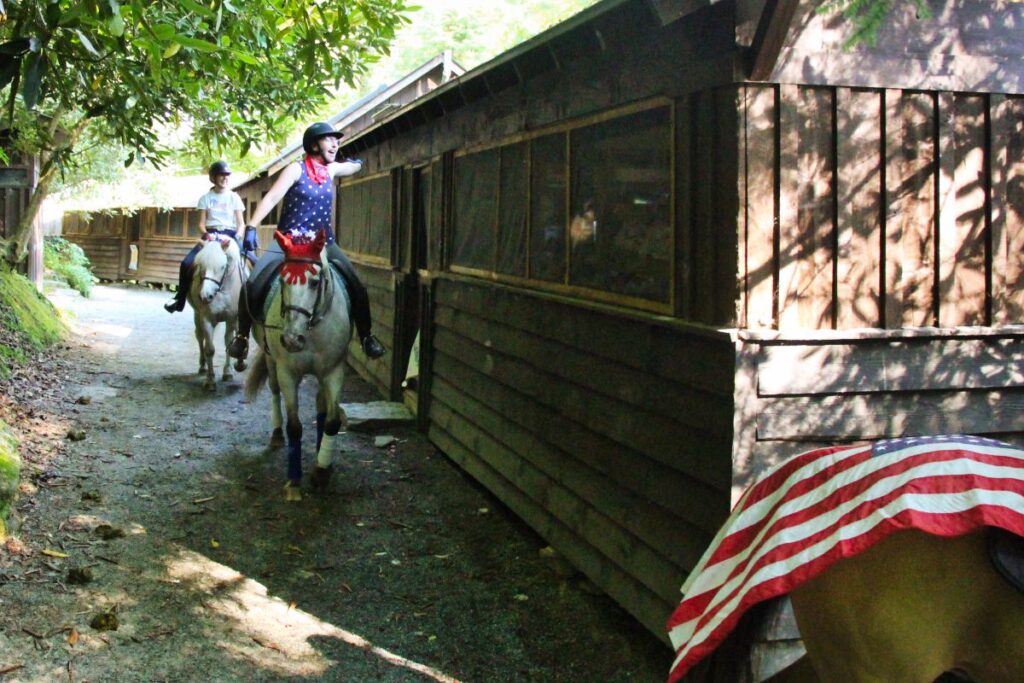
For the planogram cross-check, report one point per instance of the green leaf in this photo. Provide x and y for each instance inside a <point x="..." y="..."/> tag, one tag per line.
<point x="117" y="25"/>
<point x="196" y="7"/>
<point x="164" y="31"/>
<point x="86" y="43"/>
<point x="196" y="43"/>
<point x="32" y="79"/>
<point x="245" y="57"/>
<point x="171" y="50"/>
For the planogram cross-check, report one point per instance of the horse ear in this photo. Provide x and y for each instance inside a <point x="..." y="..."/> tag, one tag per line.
<point x="283" y="240"/>
<point x="225" y="243"/>
<point x="321" y="240"/>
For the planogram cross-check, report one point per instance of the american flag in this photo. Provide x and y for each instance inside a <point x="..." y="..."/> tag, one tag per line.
<point x="826" y="504"/>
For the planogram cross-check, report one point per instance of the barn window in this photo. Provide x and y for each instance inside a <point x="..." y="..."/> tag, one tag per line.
<point x="177" y="223"/>
<point x="193" y="222"/>
<point x="547" y="208"/>
<point x="364" y="217"/>
<point x="620" y="227"/>
<point x="160" y="225"/>
<point x="512" y="210"/>
<point x="476" y="204"/>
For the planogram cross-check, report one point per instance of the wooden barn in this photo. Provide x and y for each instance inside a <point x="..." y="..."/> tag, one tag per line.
<point x="667" y="243"/>
<point x="18" y="180"/>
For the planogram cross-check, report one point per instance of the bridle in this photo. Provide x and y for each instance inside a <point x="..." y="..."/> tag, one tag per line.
<point x="227" y="270"/>
<point x="321" y="302"/>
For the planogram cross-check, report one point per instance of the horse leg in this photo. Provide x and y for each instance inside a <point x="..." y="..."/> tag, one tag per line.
<point x="211" y="383"/>
<point x="330" y="420"/>
<point x="201" y="340"/>
<point x="229" y="334"/>
<point x="277" y="435"/>
<point x="293" y="428"/>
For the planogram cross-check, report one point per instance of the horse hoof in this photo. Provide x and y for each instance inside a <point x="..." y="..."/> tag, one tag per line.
<point x="321" y="477"/>
<point x="227" y="377"/>
<point x="201" y="371"/>
<point x="210" y="385"/>
<point x="292" y="492"/>
<point x="277" y="438"/>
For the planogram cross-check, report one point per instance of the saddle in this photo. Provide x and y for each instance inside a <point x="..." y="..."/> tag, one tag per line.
<point x="1006" y="550"/>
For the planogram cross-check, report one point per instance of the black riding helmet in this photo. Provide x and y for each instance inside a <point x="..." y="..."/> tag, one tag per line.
<point x="314" y="133"/>
<point x="219" y="168"/>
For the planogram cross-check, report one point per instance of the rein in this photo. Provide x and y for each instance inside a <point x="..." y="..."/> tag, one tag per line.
<point x="315" y="316"/>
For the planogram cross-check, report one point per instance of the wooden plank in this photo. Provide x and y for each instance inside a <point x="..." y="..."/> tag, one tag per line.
<point x="623" y="588"/>
<point x="1007" y="170"/>
<point x="910" y="235"/>
<point x="789" y="256"/>
<point x="761" y="223"/>
<point x="962" y="207"/>
<point x="859" y="192"/>
<point x="772" y="30"/>
<point x="667" y="441"/>
<point x="807" y="245"/>
<point x="593" y="525"/>
<point x="684" y="171"/>
<point x="638" y="390"/>
<point x="701" y="505"/>
<point x="638" y="341"/>
<point x="873" y="416"/>
<point x="937" y="364"/>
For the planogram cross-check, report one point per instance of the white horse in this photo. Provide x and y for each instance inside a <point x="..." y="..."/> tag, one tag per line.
<point x="306" y="332"/>
<point x="217" y="276"/>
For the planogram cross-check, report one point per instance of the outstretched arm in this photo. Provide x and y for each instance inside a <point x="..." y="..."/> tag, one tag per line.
<point x="289" y="174"/>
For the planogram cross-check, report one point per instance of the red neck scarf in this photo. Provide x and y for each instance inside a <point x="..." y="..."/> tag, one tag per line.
<point x="316" y="170"/>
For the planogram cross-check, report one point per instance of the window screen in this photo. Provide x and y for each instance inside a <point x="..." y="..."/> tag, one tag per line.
<point x="620" y="226"/>
<point x="193" y="222"/>
<point x="547" y="208"/>
<point x="512" y="210"/>
<point x="475" y="205"/>
<point x="364" y="217"/>
<point x="177" y="224"/>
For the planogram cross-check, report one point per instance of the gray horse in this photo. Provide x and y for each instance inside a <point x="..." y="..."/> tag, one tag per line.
<point x="217" y="277"/>
<point x="306" y="331"/>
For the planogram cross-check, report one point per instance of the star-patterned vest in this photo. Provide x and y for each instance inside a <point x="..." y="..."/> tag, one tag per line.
<point x="307" y="206"/>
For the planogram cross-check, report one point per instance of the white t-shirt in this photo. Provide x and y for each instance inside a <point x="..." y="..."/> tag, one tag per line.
<point x="220" y="209"/>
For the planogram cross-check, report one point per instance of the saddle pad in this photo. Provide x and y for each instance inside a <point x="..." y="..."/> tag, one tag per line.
<point x="827" y="504"/>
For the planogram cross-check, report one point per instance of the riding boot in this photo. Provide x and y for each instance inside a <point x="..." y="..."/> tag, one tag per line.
<point x="239" y="346"/>
<point x="177" y="303"/>
<point x="371" y="346"/>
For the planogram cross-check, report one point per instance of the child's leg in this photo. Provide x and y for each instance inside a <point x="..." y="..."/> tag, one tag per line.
<point x="360" y="302"/>
<point x="177" y="302"/>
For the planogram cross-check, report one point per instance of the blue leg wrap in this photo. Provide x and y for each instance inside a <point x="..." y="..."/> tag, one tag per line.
<point x="294" y="458"/>
<point x="321" y="418"/>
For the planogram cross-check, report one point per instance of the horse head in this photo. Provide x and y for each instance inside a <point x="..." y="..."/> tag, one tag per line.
<point x="217" y="254"/>
<point x="302" y="286"/>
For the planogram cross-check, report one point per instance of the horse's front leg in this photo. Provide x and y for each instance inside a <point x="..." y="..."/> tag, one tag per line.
<point x="201" y="340"/>
<point x="293" y="428"/>
<point x="276" y="421"/>
<point x="330" y="419"/>
<point x="229" y="334"/>
<point x="207" y="345"/>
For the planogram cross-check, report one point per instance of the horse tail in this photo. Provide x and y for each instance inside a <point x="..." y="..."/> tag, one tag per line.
<point x="258" y="374"/>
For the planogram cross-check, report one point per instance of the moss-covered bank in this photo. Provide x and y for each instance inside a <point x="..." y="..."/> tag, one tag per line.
<point x="10" y="469"/>
<point x="28" y="322"/>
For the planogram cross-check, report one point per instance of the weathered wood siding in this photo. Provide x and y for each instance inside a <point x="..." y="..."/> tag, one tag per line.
<point x="593" y="426"/>
<point x="873" y="208"/>
<point x="103" y="239"/>
<point x="380" y="286"/>
<point x="882" y="279"/>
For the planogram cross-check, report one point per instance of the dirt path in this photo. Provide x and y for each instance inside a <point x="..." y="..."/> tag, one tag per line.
<point x="405" y="570"/>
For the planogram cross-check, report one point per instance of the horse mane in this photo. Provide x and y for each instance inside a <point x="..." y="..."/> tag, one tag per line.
<point x="204" y="257"/>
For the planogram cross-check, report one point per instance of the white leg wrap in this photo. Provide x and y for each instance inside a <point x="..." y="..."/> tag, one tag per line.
<point x="275" y="412"/>
<point x="325" y="455"/>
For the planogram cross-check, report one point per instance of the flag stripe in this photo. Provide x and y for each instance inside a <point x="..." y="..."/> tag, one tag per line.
<point x="831" y="503"/>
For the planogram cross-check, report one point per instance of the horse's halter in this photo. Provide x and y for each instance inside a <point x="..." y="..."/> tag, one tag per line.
<point x="321" y="303"/>
<point x="227" y="269"/>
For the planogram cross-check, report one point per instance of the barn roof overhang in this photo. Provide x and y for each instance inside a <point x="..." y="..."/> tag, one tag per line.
<point x="593" y="30"/>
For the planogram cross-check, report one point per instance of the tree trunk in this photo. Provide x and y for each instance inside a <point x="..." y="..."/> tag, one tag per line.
<point x="15" y="248"/>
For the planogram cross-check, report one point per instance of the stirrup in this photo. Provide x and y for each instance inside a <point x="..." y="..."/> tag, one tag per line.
<point x="372" y="347"/>
<point x="239" y="347"/>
